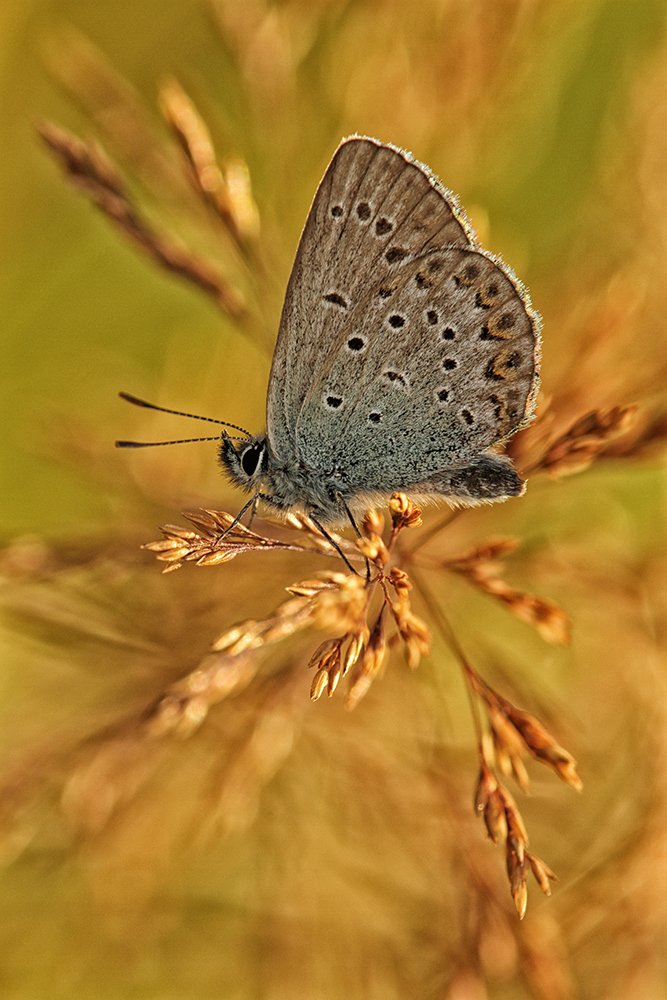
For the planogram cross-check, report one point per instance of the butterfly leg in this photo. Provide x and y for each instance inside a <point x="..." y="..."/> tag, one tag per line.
<point x="252" y="502"/>
<point x="253" y="512"/>
<point x="341" y="498"/>
<point x="335" y="545"/>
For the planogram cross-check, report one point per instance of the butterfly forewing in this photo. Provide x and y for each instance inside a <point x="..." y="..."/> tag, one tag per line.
<point x="374" y="212"/>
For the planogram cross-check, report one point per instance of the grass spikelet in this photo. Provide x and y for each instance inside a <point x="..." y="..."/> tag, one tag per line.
<point x="480" y="567"/>
<point x="90" y="170"/>
<point x="229" y="191"/>
<point x="585" y="440"/>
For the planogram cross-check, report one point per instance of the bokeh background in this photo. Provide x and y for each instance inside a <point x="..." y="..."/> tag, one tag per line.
<point x="286" y="849"/>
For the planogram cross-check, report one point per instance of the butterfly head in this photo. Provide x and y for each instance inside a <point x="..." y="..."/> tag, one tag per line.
<point x="245" y="463"/>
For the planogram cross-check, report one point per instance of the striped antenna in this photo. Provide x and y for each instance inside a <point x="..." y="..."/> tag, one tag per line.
<point x="178" y="413"/>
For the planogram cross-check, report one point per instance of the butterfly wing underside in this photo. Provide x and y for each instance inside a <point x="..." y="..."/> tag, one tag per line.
<point x="403" y="349"/>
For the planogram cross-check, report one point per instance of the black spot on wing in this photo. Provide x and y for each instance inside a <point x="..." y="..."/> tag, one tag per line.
<point x="395" y="254"/>
<point x="336" y="300"/>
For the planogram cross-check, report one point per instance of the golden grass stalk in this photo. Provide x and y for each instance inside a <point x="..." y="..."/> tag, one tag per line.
<point x="341" y="602"/>
<point x="219" y="539"/>
<point x="479" y="566"/>
<point x="227" y="190"/>
<point x="585" y="440"/>
<point x="88" y="168"/>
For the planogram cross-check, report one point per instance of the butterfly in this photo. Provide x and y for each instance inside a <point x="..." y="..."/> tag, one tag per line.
<point x="406" y="354"/>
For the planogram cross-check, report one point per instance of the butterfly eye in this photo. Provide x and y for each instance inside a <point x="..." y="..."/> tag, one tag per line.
<point x="250" y="459"/>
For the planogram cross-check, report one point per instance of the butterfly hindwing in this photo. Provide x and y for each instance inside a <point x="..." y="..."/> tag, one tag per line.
<point x="425" y="379"/>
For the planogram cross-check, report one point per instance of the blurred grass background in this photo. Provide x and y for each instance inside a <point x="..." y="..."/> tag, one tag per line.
<point x="289" y="850"/>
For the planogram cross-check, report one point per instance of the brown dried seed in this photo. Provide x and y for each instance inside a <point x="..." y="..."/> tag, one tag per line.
<point x="372" y="663"/>
<point x="334" y="578"/>
<point x="341" y="608"/>
<point x="399" y="504"/>
<point x="414" y="650"/>
<point x="581" y="444"/>
<point x="516" y="872"/>
<point x="542" y="745"/>
<point x="543" y="874"/>
<point x="221" y="518"/>
<point x="192" y="716"/>
<point x="201" y="519"/>
<point x="519" y="773"/>
<point x="359" y="688"/>
<point x="247" y="639"/>
<point x="550" y="621"/>
<point x="293" y="607"/>
<point x="505" y="735"/>
<point x="242" y="205"/>
<point x="376" y="647"/>
<point x="322" y="651"/>
<point x="282" y="628"/>
<point x="320" y="681"/>
<point x="214" y="558"/>
<point x="547" y="617"/>
<point x="413" y="631"/>
<point x="289" y="520"/>
<point x="515" y="826"/>
<point x="404" y="513"/>
<point x="373" y="523"/>
<point x="176" y="531"/>
<point x="232" y="635"/>
<point x="373" y="548"/>
<point x="334" y="674"/>
<point x="175" y="553"/>
<point x="171" y="567"/>
<point x="486" y="784"/>
<point x="417" y="640"/>
<point x="328" y="659"/>
<point x="478" y="566"/>
<point x="418" y="630"/>
<point x="162" y="546"/>
<point x="489" y="551"/>
<point x="400" y="581"/>
<point x="354" y="650"/>
<point x="533" y="733"/>
<point x="566" y="768"/>
<point x="308" y="588"/>
<point x="495" y="818"/>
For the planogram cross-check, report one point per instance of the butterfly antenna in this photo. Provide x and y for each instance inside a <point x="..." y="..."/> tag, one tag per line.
<point x="154" y="444"/>
<point x="179" y="413"/>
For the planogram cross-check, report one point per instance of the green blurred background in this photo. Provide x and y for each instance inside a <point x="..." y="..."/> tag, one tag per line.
<point x="344" y="877"/>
